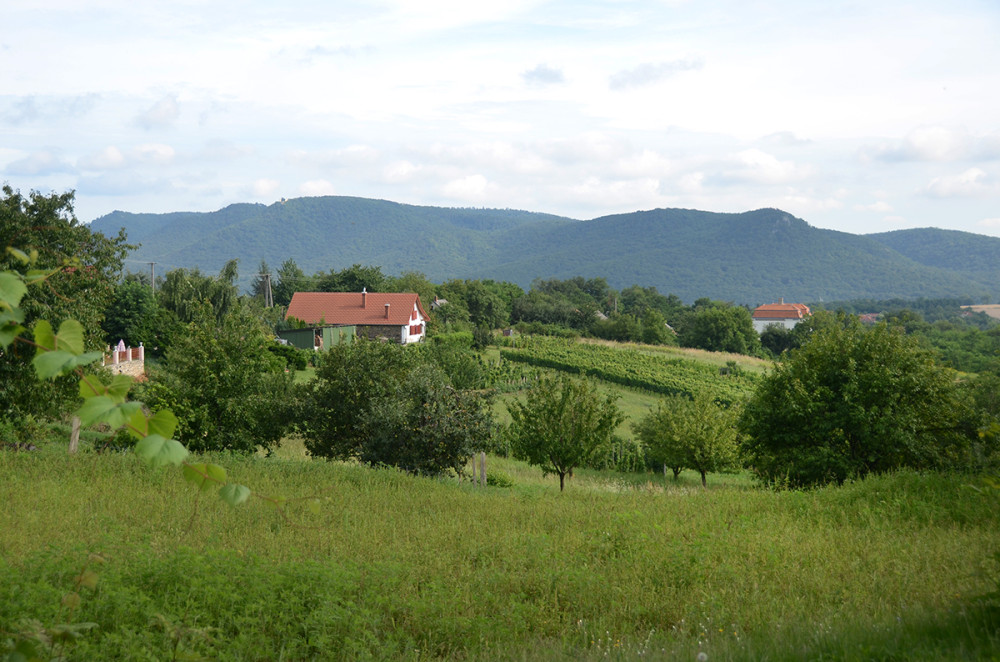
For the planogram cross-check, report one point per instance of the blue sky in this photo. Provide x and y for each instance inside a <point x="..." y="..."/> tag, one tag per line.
<point x="856" y="116"/>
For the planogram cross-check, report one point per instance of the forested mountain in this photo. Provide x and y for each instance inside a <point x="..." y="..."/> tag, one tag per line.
<point x="974" y="256"/>
<point x="751" y="257"/>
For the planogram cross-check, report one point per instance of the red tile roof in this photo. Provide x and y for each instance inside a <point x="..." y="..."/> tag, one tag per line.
<point x="781" y="311"/>
<point x="354" y="308"/>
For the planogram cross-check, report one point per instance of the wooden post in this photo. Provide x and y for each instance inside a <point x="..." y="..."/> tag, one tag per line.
<point x="74" y="436"/>
<point x="482" y="469"/>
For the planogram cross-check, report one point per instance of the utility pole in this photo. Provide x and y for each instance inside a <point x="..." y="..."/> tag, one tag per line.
<point x="152" y="276"/>
<point x="268" y="300"/>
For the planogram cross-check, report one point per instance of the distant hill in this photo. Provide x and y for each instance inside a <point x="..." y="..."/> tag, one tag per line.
<point x="974" y="256"/>
<point x="751" y="257"/>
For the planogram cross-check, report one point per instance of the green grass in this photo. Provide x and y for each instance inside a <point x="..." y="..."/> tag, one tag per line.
<point x="397" y="567"/>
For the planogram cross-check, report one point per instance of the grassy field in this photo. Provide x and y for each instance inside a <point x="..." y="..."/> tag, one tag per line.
<point x="396" y="567"/>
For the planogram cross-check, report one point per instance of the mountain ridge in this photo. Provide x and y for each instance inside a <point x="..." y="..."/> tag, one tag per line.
<point x="747" y="257"/>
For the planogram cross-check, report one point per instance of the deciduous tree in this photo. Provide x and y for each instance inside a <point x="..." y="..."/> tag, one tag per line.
<point x="691" y="433"/>
<point x="853" y="401"/>
<point x="561" y="424"/>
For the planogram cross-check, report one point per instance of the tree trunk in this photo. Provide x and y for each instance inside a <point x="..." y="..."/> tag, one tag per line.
<point x="562" y="480"/>
<point x="677" y="473"/>
<point x="703" y="483"/>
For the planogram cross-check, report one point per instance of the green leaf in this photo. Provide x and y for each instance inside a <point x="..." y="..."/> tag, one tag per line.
<point x="51" y="364"/>
<point x="204" y="476"/>
<point x="44" y="336"/>
<point x="8" y="332"/>
<point x="104" y="409"/>
<point x="89" y="357"/>
<point x="12" y="289"/>
<point x="234" y="494"/>
<point x="70" y="336"/>
<point x="90" y="387"/>
<point x="119" y="387"/>
<point x="19" y="255"/>
<point x="163" y="423"/>
<point x="157" y="451"/>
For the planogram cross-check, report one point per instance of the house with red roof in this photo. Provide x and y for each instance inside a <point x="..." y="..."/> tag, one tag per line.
<point x="782" y="314"/>
<point x="338" y="316"/>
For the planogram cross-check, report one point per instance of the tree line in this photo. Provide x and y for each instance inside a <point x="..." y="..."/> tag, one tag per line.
<point x="844" y="400"/>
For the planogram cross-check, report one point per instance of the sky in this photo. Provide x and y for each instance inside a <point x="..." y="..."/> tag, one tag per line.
<point x="860" y="116"/>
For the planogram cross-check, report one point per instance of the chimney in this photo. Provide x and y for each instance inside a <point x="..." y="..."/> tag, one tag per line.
<point x="781" y="300"/>
<point x="387" y="311"/>
<point x="364" y="293"/>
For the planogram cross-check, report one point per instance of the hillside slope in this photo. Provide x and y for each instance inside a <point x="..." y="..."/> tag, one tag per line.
<point x="974" y="256"/>
<point x="751" y="257"/>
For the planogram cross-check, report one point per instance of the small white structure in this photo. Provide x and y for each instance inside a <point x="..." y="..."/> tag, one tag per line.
<point x="782" y="314"/>
<point x="122" y="360"/>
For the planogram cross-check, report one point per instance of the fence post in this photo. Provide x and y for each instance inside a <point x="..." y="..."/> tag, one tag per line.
<point x="74" y="436"/>
<point x="482" y="469"/>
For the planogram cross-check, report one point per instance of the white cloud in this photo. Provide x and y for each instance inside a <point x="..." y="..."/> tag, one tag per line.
<point x="161" y="114"/>
<point x="265" y="188"/>
<point x="989" y="223"/>
<point x="936" y="144"/>
<point x="543" y="74"/>
<point x="972" y="182"/>
<point x="108" y="158"/>
<point x="399" y="171"/>
<point x="879" y="206"/>
<point x="648" y="73"/>
<point x="315" y="187"/>
<point x="153" y="153"/>
<point x="470" y="188"/>
<point x="45" y="162"/>
<point x="754" y="165"/>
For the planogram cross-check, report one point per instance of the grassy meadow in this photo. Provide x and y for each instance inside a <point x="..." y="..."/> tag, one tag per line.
<point x="396" y="567"/>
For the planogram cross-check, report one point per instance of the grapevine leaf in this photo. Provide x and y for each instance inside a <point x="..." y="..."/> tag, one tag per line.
<point x="70" y="336"/>
<point x="119" y="387"/>
<point x="156" y="450"/>
<point x="95" y="409"/>
<point x="89" y="357"/>
<point x="12" y="289"/>
<point x="234" y="494"/>
<point x="51" y="364"/>
<point x="138" y="425"/>
<point x="90" y="387"/>
<point x="204" y="476"/>
<point x="163" y="423"/>
<point x="104" y="409"/>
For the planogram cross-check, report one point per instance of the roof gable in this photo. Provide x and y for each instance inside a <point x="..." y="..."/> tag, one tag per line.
<point x="356" y="308"/>
<point x="781" y="311"/>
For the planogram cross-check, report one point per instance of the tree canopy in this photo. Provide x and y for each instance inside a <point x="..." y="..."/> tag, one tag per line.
<point x="561" y="424"/>
<point x="852" y="401"/>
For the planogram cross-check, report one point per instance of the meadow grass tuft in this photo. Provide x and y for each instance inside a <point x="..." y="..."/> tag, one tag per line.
<point x="400" y="567"/>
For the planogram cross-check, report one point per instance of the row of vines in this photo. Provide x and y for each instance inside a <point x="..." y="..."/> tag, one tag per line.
<point x="633" y="369"/>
